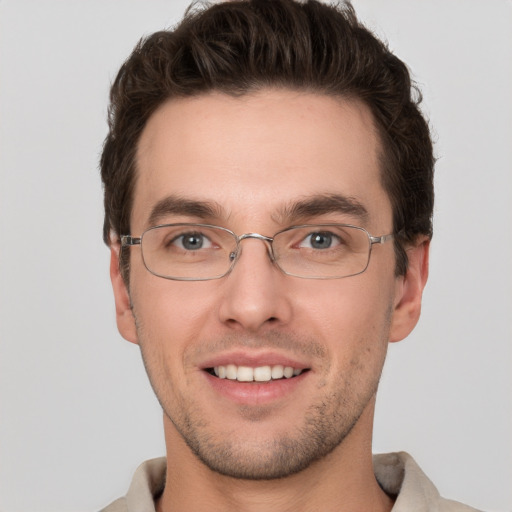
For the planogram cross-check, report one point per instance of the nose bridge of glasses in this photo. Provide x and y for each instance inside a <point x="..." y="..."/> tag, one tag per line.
<point x="257" y="236"/>
<point x="266" y="239"/>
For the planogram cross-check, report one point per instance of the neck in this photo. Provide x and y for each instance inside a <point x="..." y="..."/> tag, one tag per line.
<point x="342" y="481"/>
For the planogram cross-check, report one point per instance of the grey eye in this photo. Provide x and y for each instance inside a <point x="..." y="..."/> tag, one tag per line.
<point x="320" y="240"/>
<point x="192" y="241"/>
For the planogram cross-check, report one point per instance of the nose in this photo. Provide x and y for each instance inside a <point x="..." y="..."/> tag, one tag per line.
<point x="255" y="292"/>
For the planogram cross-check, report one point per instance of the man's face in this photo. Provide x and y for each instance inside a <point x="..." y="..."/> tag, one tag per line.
<point x="251" y="160"/>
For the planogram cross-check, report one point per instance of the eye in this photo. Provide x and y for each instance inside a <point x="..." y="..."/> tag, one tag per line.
<point x="192" y="241"/>
<point x="320" y="240"/>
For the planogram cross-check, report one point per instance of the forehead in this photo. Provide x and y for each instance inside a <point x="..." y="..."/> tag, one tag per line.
<point x="257" y="154"/>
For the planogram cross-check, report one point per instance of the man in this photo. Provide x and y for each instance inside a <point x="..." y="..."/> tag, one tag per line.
<point x="268" y="204"/>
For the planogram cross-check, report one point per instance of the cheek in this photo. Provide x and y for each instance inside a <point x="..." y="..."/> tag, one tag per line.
<point x="170" y="314"/>
<point x="169" y="320"/>
<point x="352" y="319"/>
<point x="353" y="305"/>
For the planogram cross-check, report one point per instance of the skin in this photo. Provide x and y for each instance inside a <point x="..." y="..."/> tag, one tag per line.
<point x="254" y="156"/>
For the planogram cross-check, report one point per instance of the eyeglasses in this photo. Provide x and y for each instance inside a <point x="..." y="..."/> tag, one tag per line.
<point x="200" y="252"/>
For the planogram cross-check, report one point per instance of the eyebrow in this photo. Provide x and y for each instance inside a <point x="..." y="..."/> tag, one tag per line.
<point x="175" y="205"/>
<point x="294" y="211"/>
<point x="320" y="205"/>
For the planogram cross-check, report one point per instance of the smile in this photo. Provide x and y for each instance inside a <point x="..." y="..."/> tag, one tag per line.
<point x="258" y="374"/>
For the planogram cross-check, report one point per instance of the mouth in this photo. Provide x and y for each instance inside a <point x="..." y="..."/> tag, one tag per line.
<point x="260" y="374"/>
<point x="257" y="378"/>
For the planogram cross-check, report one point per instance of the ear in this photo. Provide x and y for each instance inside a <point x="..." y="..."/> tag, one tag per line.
<point x="124" y="315"/>
<point x="409" y="290"/>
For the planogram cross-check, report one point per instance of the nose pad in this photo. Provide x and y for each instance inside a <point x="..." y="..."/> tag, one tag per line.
<point x="235" y="255"/>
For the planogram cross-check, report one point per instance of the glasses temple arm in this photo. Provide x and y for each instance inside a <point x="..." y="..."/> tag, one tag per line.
<point x="381" y="239"/>
<point x="130" y="240"/>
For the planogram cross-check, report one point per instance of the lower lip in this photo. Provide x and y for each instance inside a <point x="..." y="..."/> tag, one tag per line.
<point x="255" y="393"/>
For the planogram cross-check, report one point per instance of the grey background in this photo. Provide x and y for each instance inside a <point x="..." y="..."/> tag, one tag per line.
<point x="76" y="412"/>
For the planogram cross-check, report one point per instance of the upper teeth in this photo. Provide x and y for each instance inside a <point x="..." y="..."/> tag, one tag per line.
<point x="258" y="374"/>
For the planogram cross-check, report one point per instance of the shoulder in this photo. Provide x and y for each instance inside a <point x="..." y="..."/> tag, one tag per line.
<point x="455" y="506"/>
<point x="399" y="475"/>
<point x="147" y="484"/>
<point x="117" y="506"/>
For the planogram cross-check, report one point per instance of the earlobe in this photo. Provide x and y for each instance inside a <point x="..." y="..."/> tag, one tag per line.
<point x="409" y="291"/>
<point x="124" y="315"/>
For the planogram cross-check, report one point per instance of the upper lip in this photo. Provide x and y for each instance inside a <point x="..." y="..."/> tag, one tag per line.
<point x="253" y="359"/>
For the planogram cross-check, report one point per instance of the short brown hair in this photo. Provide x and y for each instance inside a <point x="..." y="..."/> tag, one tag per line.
<point x="239" y="47"/>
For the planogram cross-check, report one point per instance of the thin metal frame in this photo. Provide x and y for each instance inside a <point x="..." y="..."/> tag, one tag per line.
<point x="129" y="240"/>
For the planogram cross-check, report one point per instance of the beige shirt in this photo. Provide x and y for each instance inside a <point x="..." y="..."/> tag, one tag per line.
<point x="397" y="473"/>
